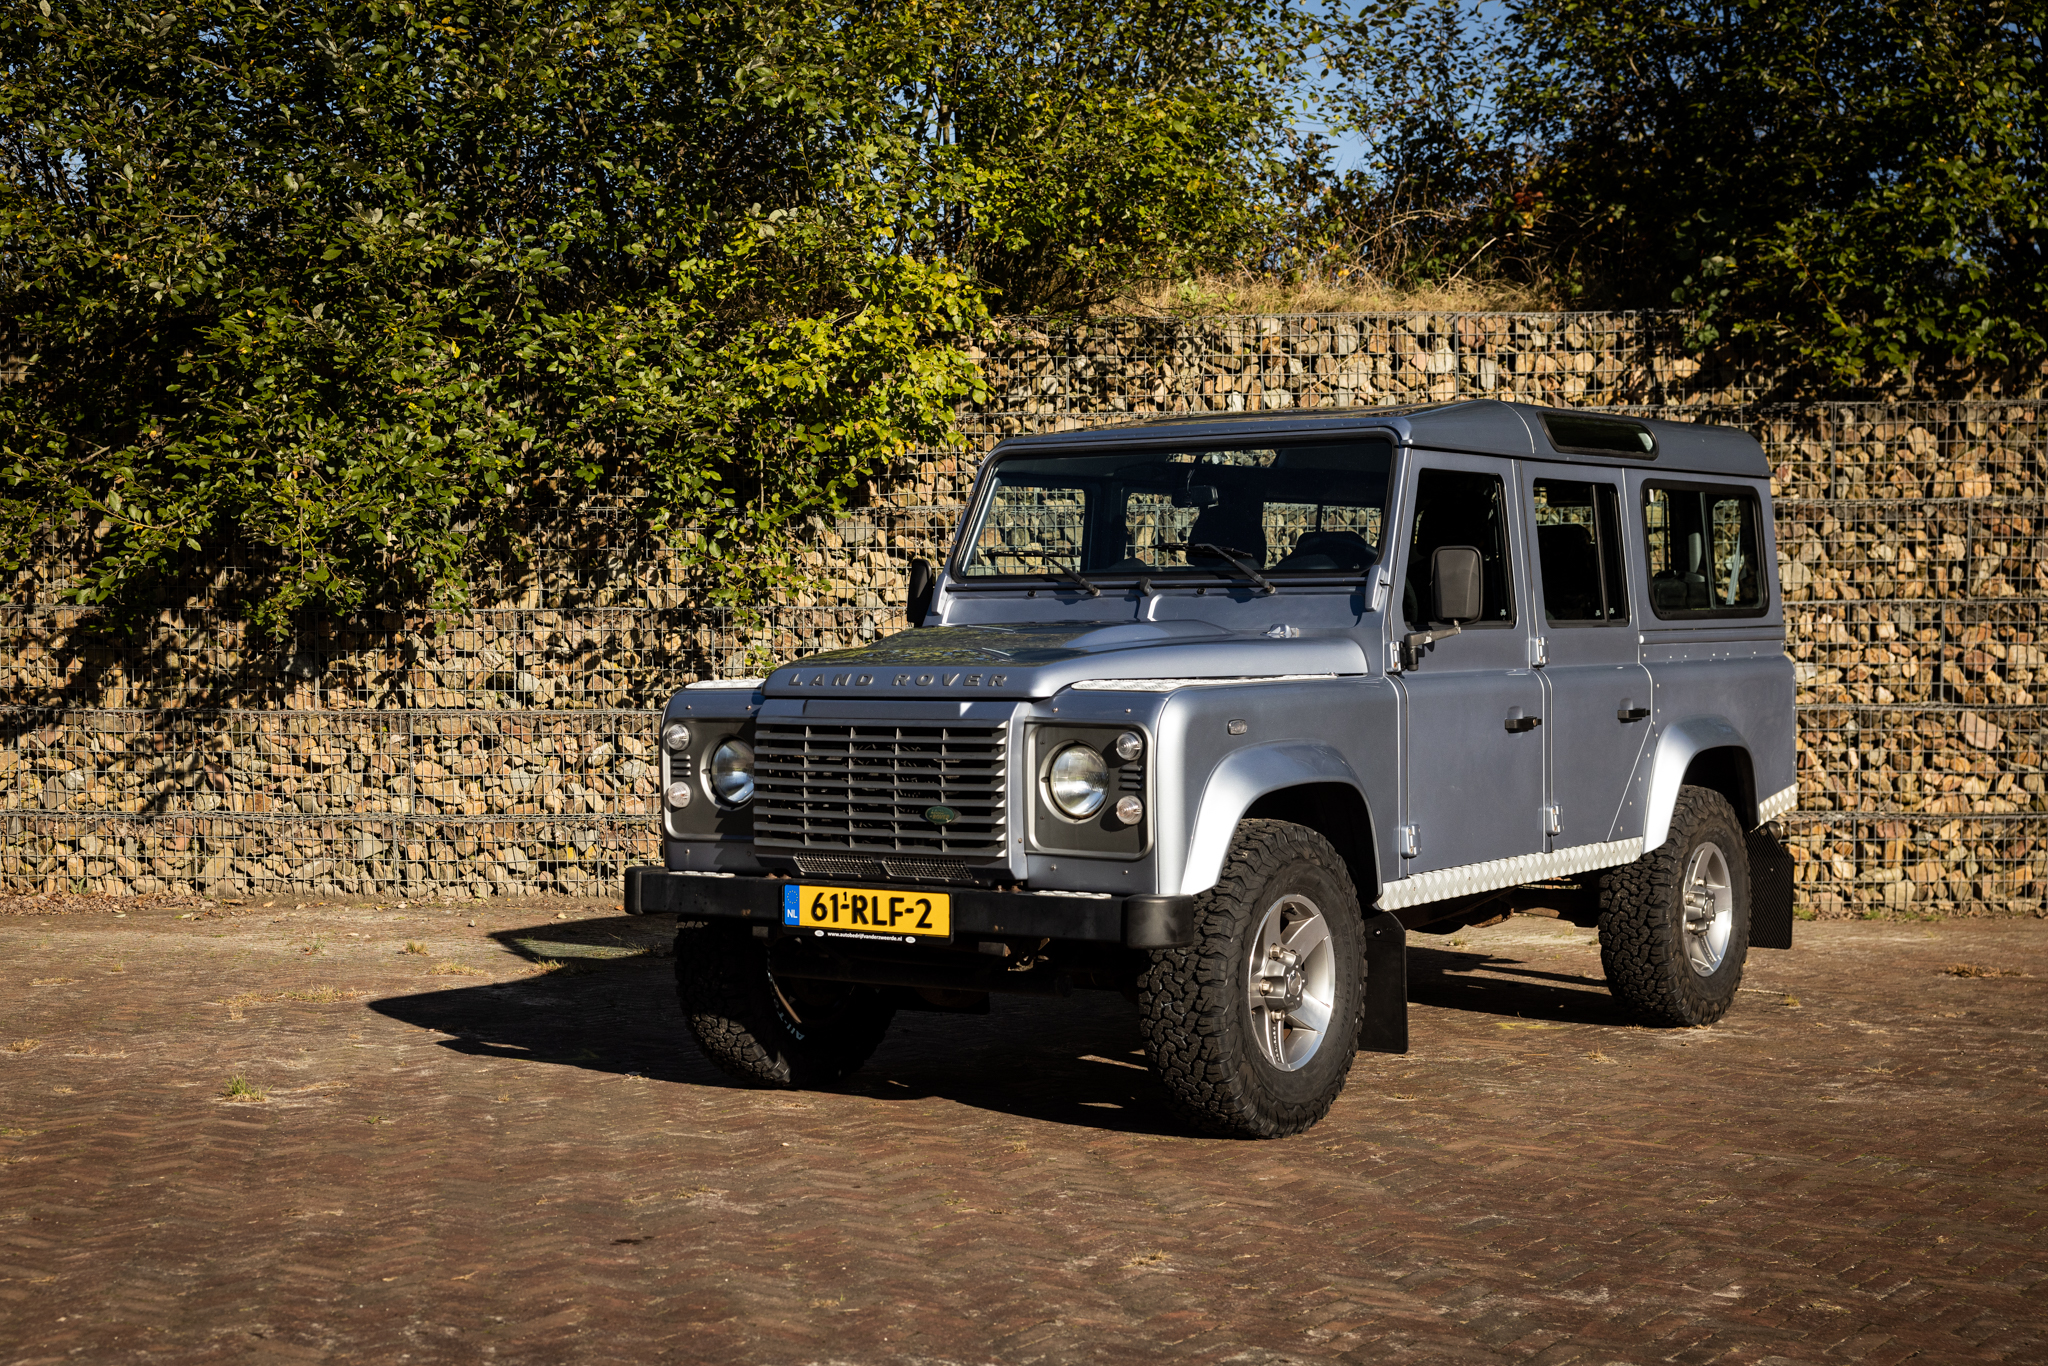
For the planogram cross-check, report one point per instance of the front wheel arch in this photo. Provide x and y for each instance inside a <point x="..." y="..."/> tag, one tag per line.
<point x="1337" y="812"/>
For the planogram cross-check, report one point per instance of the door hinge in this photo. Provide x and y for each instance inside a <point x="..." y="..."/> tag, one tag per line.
<point x="1537" y="658"/>
<point x="1394" y="656"/>
<point x="1382" y="581"/>
<point x="1411" y="841"/>
<point x="1553" y="820"/>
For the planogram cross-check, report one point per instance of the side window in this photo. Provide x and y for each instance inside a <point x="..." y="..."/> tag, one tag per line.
<point x="1705" y="550"/>
<point x="1578" y="549"/>
<point x="1458" y="507"/>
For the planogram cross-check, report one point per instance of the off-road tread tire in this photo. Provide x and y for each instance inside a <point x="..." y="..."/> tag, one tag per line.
<point x="730" y="1004"/>
<point x="1191" y="1000"/>
<point x="1642" y="921"/>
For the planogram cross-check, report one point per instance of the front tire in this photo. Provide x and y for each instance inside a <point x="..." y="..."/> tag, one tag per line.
<point x="1252" y="1028"/>
<point x="789" y="1035"/>
<point x="1674" y="925"/>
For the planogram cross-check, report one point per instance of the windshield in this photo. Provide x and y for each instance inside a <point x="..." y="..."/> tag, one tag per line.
<point x="1309" y="509"/>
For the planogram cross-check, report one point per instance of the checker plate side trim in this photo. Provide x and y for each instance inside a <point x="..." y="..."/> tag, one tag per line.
<point x="1443" y="883"/>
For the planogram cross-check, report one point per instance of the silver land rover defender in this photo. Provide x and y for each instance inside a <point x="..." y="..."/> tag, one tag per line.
<point x="1214" y="710"/>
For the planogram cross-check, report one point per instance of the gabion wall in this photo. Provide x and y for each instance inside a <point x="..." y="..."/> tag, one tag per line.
<point x="511" y="752"/>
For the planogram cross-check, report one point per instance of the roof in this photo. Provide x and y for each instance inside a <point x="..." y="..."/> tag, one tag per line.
<point x="1482" y="426"/>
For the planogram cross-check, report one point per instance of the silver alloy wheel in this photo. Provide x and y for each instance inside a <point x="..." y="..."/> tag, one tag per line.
<point x="1708" y="900"/>
<point x="1291" y="981"/>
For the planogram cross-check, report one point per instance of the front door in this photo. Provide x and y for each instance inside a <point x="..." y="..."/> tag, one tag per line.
<point x="1473" y="705"/>
<point x="1596" y="691"/>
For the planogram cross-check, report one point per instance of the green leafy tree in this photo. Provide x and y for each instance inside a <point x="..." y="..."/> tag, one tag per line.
<point x="1063" y="148"/>
<point x="1857" y="184"/>
<point x="347" y="293"/>
<point x="1442" y="188"/>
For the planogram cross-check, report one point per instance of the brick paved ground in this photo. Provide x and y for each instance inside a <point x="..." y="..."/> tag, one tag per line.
<point x="534" y="1167"/>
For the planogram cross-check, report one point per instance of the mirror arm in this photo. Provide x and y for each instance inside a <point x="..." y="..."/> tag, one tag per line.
<point x="1415" y="642"/>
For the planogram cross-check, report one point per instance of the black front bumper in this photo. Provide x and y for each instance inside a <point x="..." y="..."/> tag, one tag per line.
<point x="1138" y="922"/>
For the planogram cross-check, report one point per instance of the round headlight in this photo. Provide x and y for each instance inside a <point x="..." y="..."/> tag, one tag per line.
<point x="1129" y="810"/>
<point x="676" y="735"/>
<point x="1128" y="746"/>
<point x="1077" y="781"/>
<point x="678" y="795"/>
<point x="732" y="772"/>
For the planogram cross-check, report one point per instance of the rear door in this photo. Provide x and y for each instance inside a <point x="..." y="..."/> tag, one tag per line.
<point x="1596" y="691"/>
<point x="1472" y="704"/>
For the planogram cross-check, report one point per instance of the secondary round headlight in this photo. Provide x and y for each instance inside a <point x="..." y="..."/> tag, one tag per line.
<point x="732" y="772"/>
<point x="676" y="735"/>
<point x="1077" y="781"/>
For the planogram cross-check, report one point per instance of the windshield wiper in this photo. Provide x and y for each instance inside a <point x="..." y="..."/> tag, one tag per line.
<point x="1084" y="584"/>
<point x="1224" y="552"/>
<point x="1051" y="571"/>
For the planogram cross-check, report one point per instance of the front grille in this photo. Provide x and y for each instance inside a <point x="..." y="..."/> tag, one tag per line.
<point x="855" y="868"/>
<point x="862" y="788"/>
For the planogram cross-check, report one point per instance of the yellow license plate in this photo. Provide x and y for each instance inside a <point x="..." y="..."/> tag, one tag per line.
<point x="868" y="914"/>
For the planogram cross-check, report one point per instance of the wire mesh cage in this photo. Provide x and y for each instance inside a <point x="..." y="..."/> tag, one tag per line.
<point x="509" y="749"/>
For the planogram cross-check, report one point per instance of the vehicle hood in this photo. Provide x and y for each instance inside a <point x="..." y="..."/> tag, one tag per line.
<point x="1037" y="660"/>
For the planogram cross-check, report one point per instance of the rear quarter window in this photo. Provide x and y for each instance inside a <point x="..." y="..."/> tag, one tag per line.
<point x="1705" y="548"/>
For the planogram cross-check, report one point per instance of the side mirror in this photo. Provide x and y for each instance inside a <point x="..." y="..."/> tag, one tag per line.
<point x="922" y="582"/>
<point x="1457" y="581"/>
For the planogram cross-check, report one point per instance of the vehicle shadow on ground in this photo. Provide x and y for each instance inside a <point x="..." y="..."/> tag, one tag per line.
<point x="602" y="998"/>
<point x="1494" y="984"/>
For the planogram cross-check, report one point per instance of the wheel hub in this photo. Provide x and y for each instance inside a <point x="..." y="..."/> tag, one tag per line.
<point x="1707" y="902"/>
<point x="1290" y="982"/>
<point x="1282" y="989"/>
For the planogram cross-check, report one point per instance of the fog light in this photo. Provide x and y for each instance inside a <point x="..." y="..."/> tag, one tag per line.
<point x="1128" y="746"/>
<point x="678" y="795"/>
<point x="1129" y="810"/>
<point x="676" y="736"/>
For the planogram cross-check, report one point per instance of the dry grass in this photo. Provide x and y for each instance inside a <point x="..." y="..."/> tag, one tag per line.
<point x="1972" y="970"/>
<point x="1212" y="295"/>
<point x="311" y="996"/>
<point x="51" y="981"/>
<point x="414" y="946"/>
<point x="20" y="1046"/>
<point x="454" y="970"/>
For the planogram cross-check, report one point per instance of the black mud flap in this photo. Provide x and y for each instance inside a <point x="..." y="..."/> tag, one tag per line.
<point x="1770" y="891"/>
<point x="1383" y="1024"/>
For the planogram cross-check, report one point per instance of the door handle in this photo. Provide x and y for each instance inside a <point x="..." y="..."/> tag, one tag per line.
<point x="1625" y="713"/>
<point x="1518" y="723"/>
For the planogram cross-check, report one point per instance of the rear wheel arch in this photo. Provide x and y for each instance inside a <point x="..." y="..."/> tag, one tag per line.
<point x="1728" y="770"/>
<point x="1698" y="751"/>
